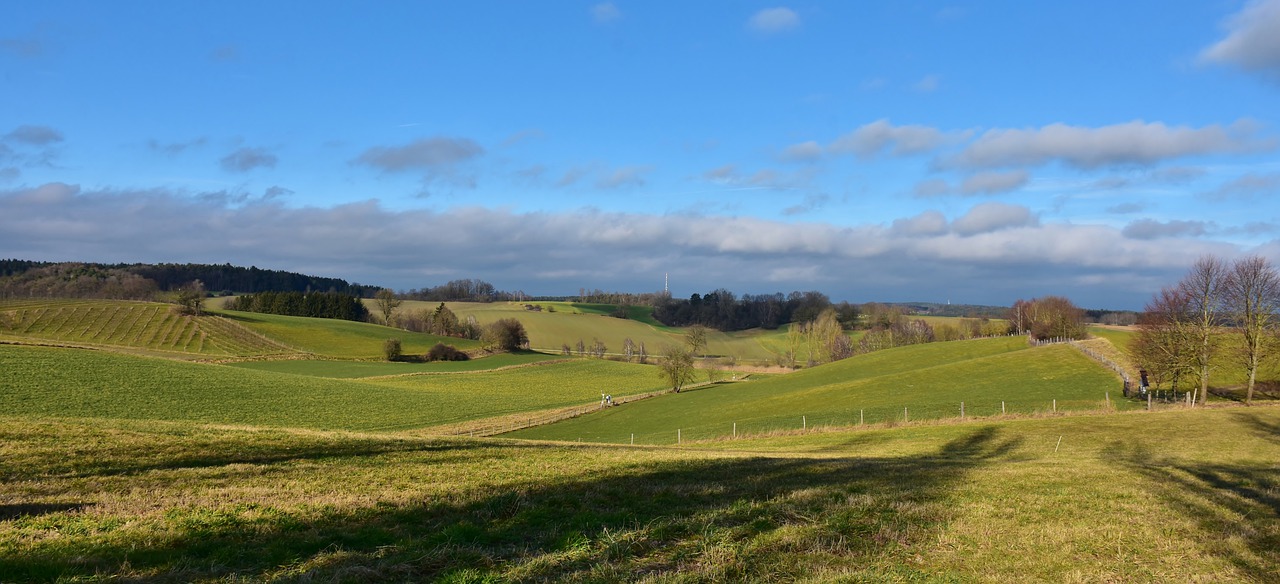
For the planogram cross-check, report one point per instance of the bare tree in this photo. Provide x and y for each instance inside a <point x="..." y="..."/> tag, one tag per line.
<point x="1252" y="298"/>
<point x="1202" y="288"/>
<point x="387" y="304"/>
<point x="696" y="337"/>
<point x="190" y="298"/>
<point x="1166" y="344"/>
<point x="677" y="366"/>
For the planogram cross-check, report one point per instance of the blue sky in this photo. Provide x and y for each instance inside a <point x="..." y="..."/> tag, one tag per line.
<point x="972" y="152"/>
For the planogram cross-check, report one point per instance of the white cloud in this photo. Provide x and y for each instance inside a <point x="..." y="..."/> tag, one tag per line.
<point x="994" y="253"/>
<point x="989" y="217"/>
<point x="928" y="84"/>
<point x="774" y="21"/>
<point x="877" y="136"/>
<point x="987" y="183"/>
<point x="626" y="176"/>
<point x="1135" y="142"/>
<point x="1252" y="42"/>
<point x="1249" y="185"/>
<point x="802" y="152"/>
<point x="605" y="12"/>
<point x="932" y="188"/>
<point x="1152" y="229"/>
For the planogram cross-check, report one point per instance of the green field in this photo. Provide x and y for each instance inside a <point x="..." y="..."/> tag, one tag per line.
<point x="929" y="380"/>
<point x="51" y="382"/>
<point x="146" y="326"/>
<point x="360" y="369"/>
<point x="1102" y="498"/>
<point x="339" y="338"/>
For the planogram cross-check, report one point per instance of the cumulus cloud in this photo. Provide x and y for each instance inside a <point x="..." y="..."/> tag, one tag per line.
<point x="928" y="223"/>
<point x="428" y="154"/>
<point x="994" y="253"/>
<point x="1135" y="142"/>
<point x="246" y="159"/>
<point x="573" y="175"/>
<point x="765" y="178"/>
<point x="1249" y="185"/>
<point x="1251" y="42"/>
<point x="1152" y="229"/>
<point x="989" y="217"/>
<point x="881" y="135"/>
<point x="605" y="12"/>
<point x="802" y="152"/>
<point x="988" y="183"/>
<point x="774" y="21"/>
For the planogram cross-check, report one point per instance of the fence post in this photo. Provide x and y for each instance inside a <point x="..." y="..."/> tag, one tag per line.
<point x="678" y="439"/>
<point x="735" y="429"/>
<point x="1055" y="405"/>
<point x="861" y="418"/>
<point x="961" y="410"/>
<point x="1002" y="406"/>
<point x="904" y="415"/>
<point x="1149" y="400"/>
<point x="804" y="423"/>
<point x="633" y="438"/>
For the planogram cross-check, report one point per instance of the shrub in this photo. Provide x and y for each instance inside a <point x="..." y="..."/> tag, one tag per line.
<point x="392" y="350"/>
<point x="443" y="352"/>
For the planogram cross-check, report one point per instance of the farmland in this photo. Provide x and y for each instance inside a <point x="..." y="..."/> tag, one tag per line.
<point x="990" y="376"/>
<point x="305" y="458"/>
<point x="1117" y="497"/>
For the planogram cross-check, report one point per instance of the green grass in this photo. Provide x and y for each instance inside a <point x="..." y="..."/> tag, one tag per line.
<point x="930" y="381"/>
<point x="340" y="338"/>
<point x="49" y="382"/>
<point x="1104" y="498"/>
<point x="147" y="326"/>
<point x="359" y="369"/>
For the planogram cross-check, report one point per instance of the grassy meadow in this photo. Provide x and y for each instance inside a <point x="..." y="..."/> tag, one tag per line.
<point x="297" y="456"/>
<point x="1097" y="498"/>
<point x="929" y="380"/>
<point x="78" y="383"/>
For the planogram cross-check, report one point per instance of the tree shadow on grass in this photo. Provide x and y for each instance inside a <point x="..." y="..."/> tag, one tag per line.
<point x="1237" y="504"/>
<point x="8" y="512"/>
<point x="705" y="516"/>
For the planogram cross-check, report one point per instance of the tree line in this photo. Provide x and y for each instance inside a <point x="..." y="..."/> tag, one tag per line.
<point x="129" y="281"/>
<point x="1218" y="308"/>
<point x="315" y="304"/>
<point x="722" y="310"/>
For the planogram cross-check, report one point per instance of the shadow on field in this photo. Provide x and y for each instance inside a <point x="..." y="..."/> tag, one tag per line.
<point x="713" y="519"/>
<point x="8" y="512"/>
<point x="1236" y="505"/>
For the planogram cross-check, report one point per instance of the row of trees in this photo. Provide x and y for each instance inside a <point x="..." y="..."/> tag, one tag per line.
<point x="1186" y="325"/>
<point x="722" y="310"/>
<point x="315" y="304"/>
<point x="1051" y="317"/>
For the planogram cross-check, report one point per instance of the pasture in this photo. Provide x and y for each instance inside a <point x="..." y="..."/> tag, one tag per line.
<point x="1106" y="498"/>
<point x="990" y="376"/>
<point x="46" y="382"/>
<point x="339" y="338"/>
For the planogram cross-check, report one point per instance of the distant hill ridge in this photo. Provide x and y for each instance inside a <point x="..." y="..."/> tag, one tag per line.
<point x="19" y="276"/>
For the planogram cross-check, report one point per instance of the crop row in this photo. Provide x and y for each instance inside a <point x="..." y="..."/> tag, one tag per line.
<point x="134" y="324"/>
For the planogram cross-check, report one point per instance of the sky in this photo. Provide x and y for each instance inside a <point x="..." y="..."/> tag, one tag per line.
<point x="965" y="152"/>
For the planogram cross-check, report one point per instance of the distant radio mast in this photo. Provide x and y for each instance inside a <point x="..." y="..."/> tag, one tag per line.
<point x="665" y="282"/>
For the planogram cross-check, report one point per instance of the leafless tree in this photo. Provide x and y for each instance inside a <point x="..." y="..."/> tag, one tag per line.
<point x="1202" y="288"/>
<point x="1166" y="345"/>
<point x="1252" y="298"/>
<point x="387" y="304"/>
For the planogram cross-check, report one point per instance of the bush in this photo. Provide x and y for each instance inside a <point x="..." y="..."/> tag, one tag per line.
<point x="443" y="352"/>
<point x="392" y="350"/>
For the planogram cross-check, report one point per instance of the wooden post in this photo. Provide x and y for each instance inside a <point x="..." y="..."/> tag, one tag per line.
<point x="735" y="429"/>
<point x="1149" y="401"/>
<point x="678" y="439"/>
<point x="1055" y="405"/>
<point x="1002" y="406"/>
<point x="633" y="438"/>
<point x="904" y="415"/>
<point x="961" y="410"/>
<point x="804" y="423"/>
<point x="861" y="417"/>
